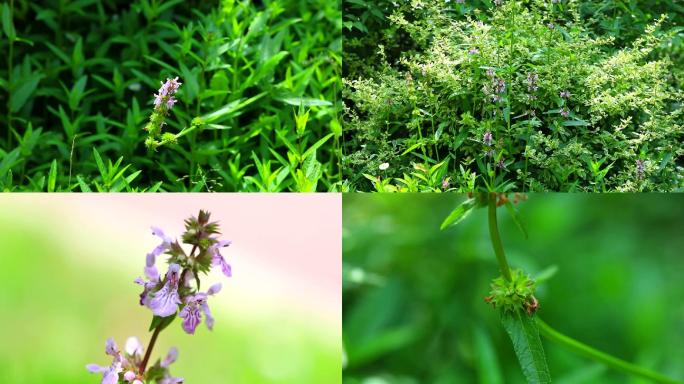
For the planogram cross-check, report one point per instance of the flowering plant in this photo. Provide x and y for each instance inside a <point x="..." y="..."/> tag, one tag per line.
<point x="516" y="95"/>
<point x="177" y="293"/>
<point x="164" y="100"/>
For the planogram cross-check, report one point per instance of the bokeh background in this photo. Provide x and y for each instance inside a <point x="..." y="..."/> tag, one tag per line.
<point x="67" y="265"/>
<point x="413" y="295"/>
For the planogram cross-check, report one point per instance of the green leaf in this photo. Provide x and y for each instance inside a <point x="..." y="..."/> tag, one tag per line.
<point x="100" y="163"/>
<point x="516" y="218"/>
<point x="305" y="101"/>
<point x="524" y="334"/>
<point x="411" y="148"/>
<point x="23" y="92"/>
<point x="574" y="123"/>
<point x="76" y="93"/>
<point x="161" y="322"/>
<point x="8" y="161"/>
<point x="81" y="183"/>
<point x="7" y="24"/>
<point x="229" y="110"/>
<point x="459" y="213"/>
<point x="52" y="176"/>
<point x="316" y="145"/>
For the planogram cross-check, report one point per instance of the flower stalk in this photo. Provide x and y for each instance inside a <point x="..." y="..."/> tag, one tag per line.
<point x="496" y="238"/>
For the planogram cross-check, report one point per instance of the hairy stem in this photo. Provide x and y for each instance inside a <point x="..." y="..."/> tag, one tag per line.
<point x="496" y="239"/>
<point x="150" y="347"/>
<point x="602" y="357"/>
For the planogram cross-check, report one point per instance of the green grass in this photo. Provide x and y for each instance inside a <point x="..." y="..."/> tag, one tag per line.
<point x="257" y="111"/>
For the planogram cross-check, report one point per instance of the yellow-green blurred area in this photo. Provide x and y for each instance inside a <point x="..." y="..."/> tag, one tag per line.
<point x="413" y="295"/>
<point x="63" y="290"/>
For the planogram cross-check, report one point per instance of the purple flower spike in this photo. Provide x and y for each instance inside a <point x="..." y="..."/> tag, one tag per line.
<point x="217" y="258"/>
<point x="165" y="301"/>
<point x="166" y="92"/>
<point x="487" y="138"/>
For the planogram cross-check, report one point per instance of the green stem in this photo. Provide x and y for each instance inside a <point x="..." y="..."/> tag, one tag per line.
<point x="602" y="357"/>
<point x="496" y="239"/>
<point x="150" y="346"/>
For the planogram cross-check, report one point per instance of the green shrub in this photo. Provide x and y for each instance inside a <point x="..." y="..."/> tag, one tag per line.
<point x="521" y="96"/>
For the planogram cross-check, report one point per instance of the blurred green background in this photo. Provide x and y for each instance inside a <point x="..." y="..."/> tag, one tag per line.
<point x="413" y="295"/>
<point x="66" y="284"/>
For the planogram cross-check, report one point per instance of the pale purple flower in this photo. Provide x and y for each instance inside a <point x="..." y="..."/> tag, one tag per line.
<point x="445" y="183"/>
<point x="159" y="249"/>
<point x="165" y="95"/>
<point x="110" y="374"/>
<point x="473" y="51"/>
<point x="487" y="138"/>
<point x="565" y="94"/>
<point x="501" y="163"/>
<point x="165" y="301"/>
<point x="640" y="169"/>
<point x="170" y="358"/>
<point x="111" y="348"/>
<point x="217" y="258"/>
<point x="564" y="112"/>
<point x="195" y="305"/>
<point x="532" y="79"/>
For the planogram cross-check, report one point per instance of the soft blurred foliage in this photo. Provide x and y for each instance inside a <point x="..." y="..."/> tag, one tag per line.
<point x="62" y="294"/>
<point x="413" y="295"/>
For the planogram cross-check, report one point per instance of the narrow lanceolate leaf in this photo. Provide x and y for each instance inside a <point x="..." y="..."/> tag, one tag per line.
<point x="459" y="213"/>
<point x="527" y="345"/>
<point x="516" y="218"/>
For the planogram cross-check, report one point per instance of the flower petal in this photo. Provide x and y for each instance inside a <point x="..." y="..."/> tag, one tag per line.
<point x="170" y="358"/>
<point x="133" y="347"/>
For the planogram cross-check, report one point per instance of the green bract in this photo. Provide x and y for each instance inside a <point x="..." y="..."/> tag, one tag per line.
<point x="512" y="296"/>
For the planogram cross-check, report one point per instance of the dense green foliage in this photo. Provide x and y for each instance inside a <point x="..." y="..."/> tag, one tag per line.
<point x="257" y="109"/>
<point x="414" y="296"/>
<point x="524" y="95"/>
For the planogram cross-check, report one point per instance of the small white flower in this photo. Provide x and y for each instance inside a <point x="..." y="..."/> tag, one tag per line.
<point x="383" y="166"/>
